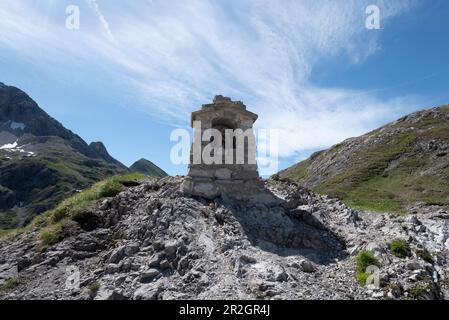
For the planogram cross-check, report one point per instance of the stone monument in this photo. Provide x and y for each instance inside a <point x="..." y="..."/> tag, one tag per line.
<point x="227" y="167"/>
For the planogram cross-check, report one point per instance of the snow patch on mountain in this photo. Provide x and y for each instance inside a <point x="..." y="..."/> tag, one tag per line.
<point x="9" y="146"/>
<point x="13" y="147"/>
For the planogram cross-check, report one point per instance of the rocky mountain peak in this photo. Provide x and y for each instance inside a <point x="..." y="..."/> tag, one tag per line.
<point x="20" y="114"/>
<point x="441" y="112"/>
<point x="42" y="162"/>
<point x="100" y="149"/>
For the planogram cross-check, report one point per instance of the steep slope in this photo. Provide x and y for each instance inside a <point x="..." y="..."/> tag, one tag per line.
<point x="149" y="241"/>
<point x="398" y="167"/>
<point x="41" y="162"/>
<point x="148" y="168"/>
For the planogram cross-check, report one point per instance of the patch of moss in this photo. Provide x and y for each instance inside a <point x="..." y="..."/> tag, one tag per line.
<point x="11" y="284"/>
<point x="400" y="248"/>
<point x="365" y="259"/>
<point x="38" y="222"/>
<point x="419" y="291"/>
<point x="78" y="204"/>
<point x="75" y="209"/>
<point x="5" y="233"/>
<point x="93" y="288"/>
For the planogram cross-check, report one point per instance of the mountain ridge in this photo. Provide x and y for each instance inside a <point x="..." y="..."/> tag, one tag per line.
<point x="28" y="117"/>
<point x="396" y="167"/>
<point x="42" y="162"/>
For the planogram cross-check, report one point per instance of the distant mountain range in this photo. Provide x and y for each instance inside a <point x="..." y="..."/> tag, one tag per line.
<point x="42" y="162"/>
<point x="395" y="168"/>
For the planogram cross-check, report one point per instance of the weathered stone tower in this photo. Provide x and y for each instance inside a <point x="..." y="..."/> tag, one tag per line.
<point x="236" y="175"/>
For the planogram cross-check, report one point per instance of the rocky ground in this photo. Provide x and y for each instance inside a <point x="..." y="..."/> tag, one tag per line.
<point x="152" y="242"/>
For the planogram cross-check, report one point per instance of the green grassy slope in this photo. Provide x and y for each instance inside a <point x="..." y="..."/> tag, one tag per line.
<point x="148" y="168"/>
<point x="75" y="209"/>
<point x="42" y="181"/>
<point x="387" y="170"/>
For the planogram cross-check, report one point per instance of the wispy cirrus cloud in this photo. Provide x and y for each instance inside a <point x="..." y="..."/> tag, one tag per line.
<point x="175" y="55"/>
<point x="93" y="4"/>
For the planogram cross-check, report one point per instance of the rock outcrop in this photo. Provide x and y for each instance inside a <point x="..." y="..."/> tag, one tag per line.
<point x="102" y="153"/>
<point x="152" y="242"/>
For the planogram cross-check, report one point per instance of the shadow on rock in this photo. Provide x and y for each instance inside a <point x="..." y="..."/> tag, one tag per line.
<point x="278" y="228"/>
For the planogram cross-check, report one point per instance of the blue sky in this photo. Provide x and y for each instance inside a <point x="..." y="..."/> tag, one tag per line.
<point x="135" y="70"/>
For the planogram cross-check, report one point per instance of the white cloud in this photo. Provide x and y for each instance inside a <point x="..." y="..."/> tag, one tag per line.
<point x="175" y="55"/>
<point x="93" y="4"/>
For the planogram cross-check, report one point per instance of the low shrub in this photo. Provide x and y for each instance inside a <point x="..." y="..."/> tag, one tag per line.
<point x="419" y="291"/>
<point x="93" y="288"/>
<point x="11" y="284"/>
<point x="363" y="260"/>
<point x="400" y="248"/>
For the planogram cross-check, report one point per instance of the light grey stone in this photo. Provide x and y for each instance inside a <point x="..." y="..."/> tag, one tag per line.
<point x="170" y="248"/>
<point x="149" y="275"/>
<point x="148" y="292"/>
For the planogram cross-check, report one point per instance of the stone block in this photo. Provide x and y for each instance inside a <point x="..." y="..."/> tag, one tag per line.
<point x="224" y="174"/>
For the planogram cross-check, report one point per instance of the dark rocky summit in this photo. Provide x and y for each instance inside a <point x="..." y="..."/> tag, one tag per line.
<point x="100" y="149"/>
<point x="21" y="116"/>
<point x="152" y="242"/>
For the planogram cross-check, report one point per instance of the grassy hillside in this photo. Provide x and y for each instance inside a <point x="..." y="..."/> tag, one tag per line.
<point x="40" y="182"/>
<point x="387" y="170"/>
<point x="148" y="168"/>
<point x="74" y="209"/>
